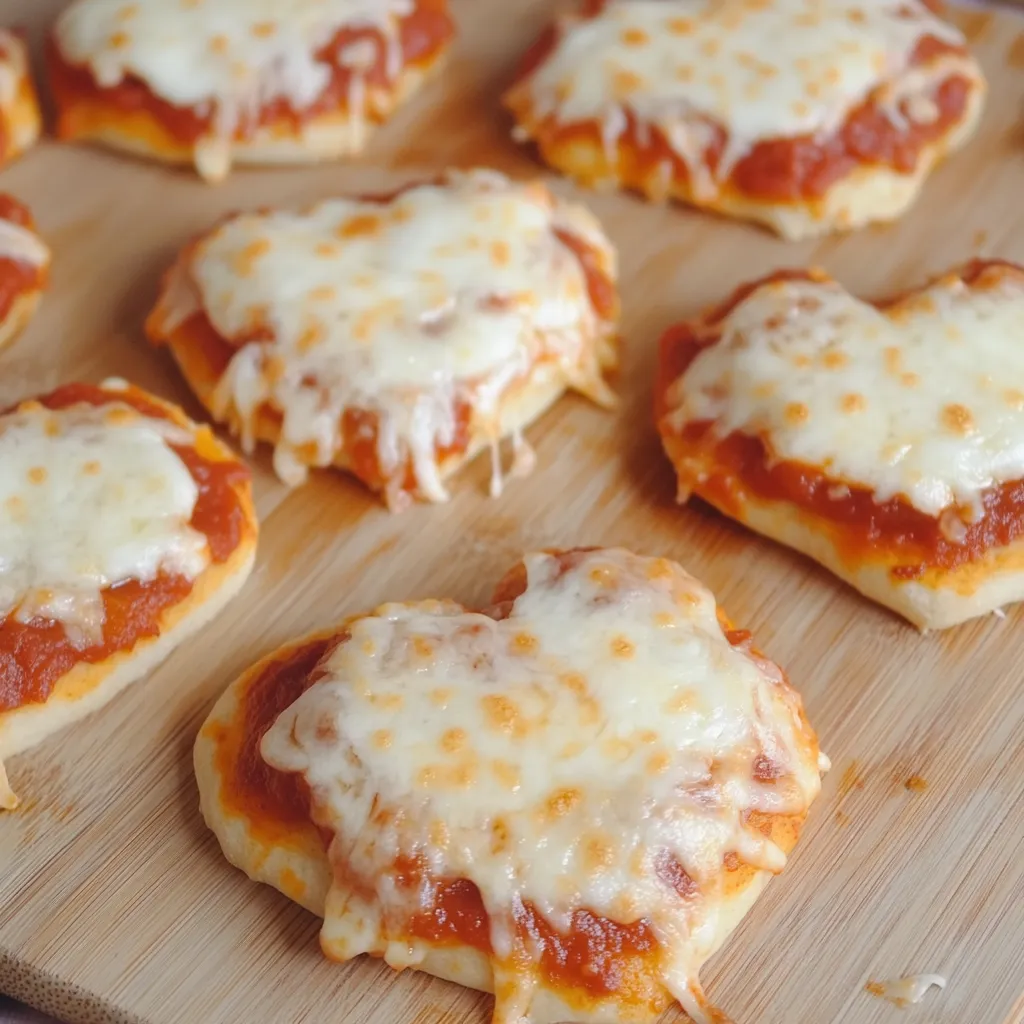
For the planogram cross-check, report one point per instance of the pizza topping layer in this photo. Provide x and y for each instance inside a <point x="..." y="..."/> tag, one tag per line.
<point x="598" y="751"/>
<point x="922" y="399"/>
<point x="779" y="69"/>
<point x="419" y="310"/>
<point x="229" y="60"/>
<point x="90" y="496"/>
<point x="18" y="240"/>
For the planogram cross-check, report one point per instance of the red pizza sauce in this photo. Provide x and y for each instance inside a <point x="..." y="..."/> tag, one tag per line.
<point x="16" y="276"/>
<point x="422" y="35"/>
<point x="737" y="468"/>
<point x="775" y="170"/>
<point x="36" y="654"/>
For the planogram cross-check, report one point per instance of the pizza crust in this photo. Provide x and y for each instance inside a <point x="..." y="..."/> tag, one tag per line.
<point x="938" y="600"/>
<point x="868" y="194"/>
<point x="22" y="310"/>
<point x="298" y="868"/>
<point x="328" y="136"/>
<point x="22" y="120"/>
<point x="88" y="686"/>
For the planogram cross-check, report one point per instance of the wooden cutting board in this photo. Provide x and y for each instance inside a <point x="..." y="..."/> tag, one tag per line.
<point x="115" y="903"/>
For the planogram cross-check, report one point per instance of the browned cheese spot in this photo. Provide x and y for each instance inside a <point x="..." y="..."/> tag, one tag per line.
<point x="453" y="740"/>
<point x="796" y="413"/>
<point x="958" y="419"/>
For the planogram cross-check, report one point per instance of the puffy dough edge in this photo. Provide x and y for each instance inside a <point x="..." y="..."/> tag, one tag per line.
<point x="943" y="599"/>
<point x="869" y="194"/>
<point x="22" y="118"/>
<point x="21" y="312"/>
<point x="88" y="687"/>
<point x="299" y="868"/>
<point x="328" y="136"/>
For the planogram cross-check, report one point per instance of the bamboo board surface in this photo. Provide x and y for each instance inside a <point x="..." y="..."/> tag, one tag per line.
<point x="115" y="903"/>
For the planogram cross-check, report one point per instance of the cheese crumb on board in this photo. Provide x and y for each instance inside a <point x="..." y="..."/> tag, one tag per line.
<point x="907" y="990"/>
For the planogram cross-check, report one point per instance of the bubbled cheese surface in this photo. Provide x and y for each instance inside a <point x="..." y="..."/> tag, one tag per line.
<point x="558" y="756"/>
<point x="449" y="292"/>
<point x="924" y="400"/>
<point x="762" y="69"/>
<point x="233" y="55"/>
<point x="89" y="497"/>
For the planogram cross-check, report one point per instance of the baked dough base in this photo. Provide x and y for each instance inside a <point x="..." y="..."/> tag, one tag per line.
<point x="518" y="407"/>
<point x="937" y="600"/>
<point x="22" y="120"/>
<point x="22" y="310"/>
<point x="295" y="863"/>
<point x="87" y="687"/>
<point x="326" y="136"/>
<point x="869" y="194"/>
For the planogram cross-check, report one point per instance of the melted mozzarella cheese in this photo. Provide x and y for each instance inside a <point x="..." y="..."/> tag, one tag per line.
<point x="22" y="244"/>
<point x="231" y="58"/>
<point x="562" y="756"/>
<point x="447" y="294"/>
<point x="761" y="69"/>
<point x="924" y="400"/>
<point x="90" y="496"/>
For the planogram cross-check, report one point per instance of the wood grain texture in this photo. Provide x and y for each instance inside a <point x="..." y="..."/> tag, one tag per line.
<point x="115" y="904"/>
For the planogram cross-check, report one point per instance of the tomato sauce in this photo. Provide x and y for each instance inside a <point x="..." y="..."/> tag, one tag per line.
<point x="781" y="169"/>
<point x="421" y="36"/>
<point x="737" y="468"/>
<point x="16" y="276"/>
<point x="274" y="801"/>
<point x="34" y="655"/>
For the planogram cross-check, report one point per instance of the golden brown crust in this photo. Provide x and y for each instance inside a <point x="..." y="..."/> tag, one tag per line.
<point x="21" y="118"/>
<point x="325" y="136"/>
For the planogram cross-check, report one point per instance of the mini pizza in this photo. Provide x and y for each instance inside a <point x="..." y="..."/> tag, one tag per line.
<point x="260" y="82"/>
<point x="24" y="268"/>
<point x="395" y="337"/>
<point x="20" y="120"/>
<point x="124" y="528"/>
<point x="884" y="440"/>
<point x="568" y="799"/>
<point x="808" y="116"/>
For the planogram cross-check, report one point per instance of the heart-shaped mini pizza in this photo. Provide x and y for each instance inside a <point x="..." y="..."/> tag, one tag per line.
<point x="218" y="82"/>
<point x="396" y="336"/>
<point x="568" y="799"/>
<point x="806" y="115"/>
<point x="20" y="120"/>
<point x="124" y="528"/>
<point x="885" y="440"/>
<point x="24" y="268"/>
